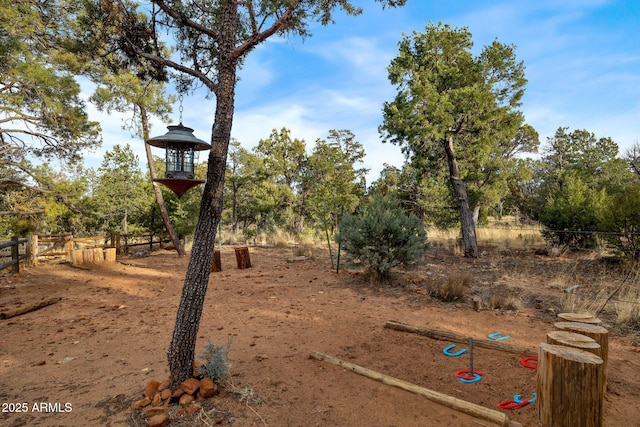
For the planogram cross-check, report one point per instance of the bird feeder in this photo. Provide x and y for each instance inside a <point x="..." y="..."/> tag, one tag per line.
<point x="180" y="146"/>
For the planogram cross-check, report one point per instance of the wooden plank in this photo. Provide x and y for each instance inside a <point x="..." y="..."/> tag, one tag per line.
<point x="454" y="337"/>
<point x="450" y="402"/>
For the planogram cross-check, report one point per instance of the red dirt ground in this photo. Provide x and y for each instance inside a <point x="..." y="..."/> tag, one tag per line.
<point x="93" y="352"/>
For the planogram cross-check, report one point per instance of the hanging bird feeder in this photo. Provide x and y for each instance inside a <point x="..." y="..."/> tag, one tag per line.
<point x="180" y="146"/>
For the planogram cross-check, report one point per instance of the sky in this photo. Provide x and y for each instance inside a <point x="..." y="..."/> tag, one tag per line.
<point x="582" y="60"/>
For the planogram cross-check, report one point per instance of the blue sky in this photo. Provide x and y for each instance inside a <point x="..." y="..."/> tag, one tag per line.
<point x="582" y="60"/>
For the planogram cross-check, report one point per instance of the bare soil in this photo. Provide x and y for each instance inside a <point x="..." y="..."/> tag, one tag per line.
<point x="88" y="357"/>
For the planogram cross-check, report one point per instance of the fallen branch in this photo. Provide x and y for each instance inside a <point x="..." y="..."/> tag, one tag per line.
<point x="453" y="337"/>
<point x="456" y="404"/>
<point x="28" y="308"/>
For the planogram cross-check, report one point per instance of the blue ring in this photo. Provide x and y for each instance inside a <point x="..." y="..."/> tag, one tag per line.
<point x="495" y="336"/>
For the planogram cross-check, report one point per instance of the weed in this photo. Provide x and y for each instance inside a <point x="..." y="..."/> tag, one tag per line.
<point x="454" y="288"/>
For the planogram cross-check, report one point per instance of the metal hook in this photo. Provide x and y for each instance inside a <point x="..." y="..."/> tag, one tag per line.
<point x="496" y="336"/>
<point x="447" y="350"/>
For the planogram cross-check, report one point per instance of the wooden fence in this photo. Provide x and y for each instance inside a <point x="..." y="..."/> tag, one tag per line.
<point x="16" y="256"/>
<point x="78" y="250"/>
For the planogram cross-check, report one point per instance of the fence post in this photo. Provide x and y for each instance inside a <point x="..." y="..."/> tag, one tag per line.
<point x="32" y="250"/>
<point x="15" y="254"/>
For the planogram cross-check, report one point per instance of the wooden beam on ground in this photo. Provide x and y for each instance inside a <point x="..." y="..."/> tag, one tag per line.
<point x="28" y="308"/>
<point x="450" y="402"/>
<point x="454" y="337"/>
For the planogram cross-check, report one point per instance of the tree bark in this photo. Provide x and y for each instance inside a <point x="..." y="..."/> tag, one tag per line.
<point x="181" y="353"/>
<point x="462" y="199"/>
<point x="156" y="187"/>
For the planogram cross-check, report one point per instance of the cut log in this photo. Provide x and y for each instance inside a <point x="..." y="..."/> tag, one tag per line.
<point x="453" y="337"/>
<point x="456" y="404"/>
<point x="216" y="265"/>
<point x="571" y="339"/>
<point x="571" y="387"/>
<point x="598" y="333"/>
<point x="242" y="257"/>
<point x="110" y="254"/>
<point x="28" y="308"/>
<point x="580" y="318"/>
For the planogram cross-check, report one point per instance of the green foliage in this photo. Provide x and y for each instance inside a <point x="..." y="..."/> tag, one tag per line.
<point x="621" y="220"/>
<point x="571" y="214"/>
<point x="382" y="235"/>
<point x="457" y="115"/>
<point x="121" y="191"/>
<point x="216" y="362"/>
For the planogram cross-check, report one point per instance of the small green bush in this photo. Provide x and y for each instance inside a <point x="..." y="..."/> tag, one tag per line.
<point x="216" y="362"/>
<point x="382" y="235"/>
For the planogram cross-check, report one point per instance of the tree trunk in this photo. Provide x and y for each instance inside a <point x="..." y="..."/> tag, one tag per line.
<point x="462" y="199"/>
<point x="181" y="353"/>
<point x="156" y="187"/>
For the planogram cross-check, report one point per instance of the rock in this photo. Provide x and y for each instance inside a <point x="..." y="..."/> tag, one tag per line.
<point x="179" y="392"/>
<point x="151" y="411"/>
<point x="208" y="388"/>
<point x="156" y="400"/>
<point x="160" y="420"/>
<point x="186" y="400"/>
<point x="141" y="403"/>
<point x="190" y="385"/>
<point x="151" y="388"/>
<point x="165" y="394"/>
<point x="164" y="384"/>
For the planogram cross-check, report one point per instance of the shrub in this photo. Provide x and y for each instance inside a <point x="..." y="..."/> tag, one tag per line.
<point x="571" y="215"/>
<point x="216" y="362"/>
<point x="621" y="220"/>
<point x="382" y="235"/>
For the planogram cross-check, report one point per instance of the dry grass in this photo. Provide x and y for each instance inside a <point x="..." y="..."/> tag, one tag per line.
<point x="454" y="288"/>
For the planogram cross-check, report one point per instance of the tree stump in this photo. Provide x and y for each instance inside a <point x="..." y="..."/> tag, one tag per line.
<point x="571" y="387"/>
<point x="110" y="254"/>
<point x="598" y="333"/>
<point x="242" y="257"/>
<point x="216" y="265"/>
<point x="580" y="318"/>
<point x="571" y="339"/>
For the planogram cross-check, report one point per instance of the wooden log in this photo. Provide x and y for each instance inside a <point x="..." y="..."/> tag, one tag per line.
<point x="468" y="408"/>
<point x="110" y="254"/>
<point x="98" y="255"/>
<point x="598" y="333"/>
<point x="216" y="265"/>
<point x="454" y="337"/>
<point x="28" y="308"/>
<point x="571" y="339"/>
<point x="580" y="318"/>
<point x="75" y="256"/>
<point x="570" y="388"/>
<point x="242" y="257"/>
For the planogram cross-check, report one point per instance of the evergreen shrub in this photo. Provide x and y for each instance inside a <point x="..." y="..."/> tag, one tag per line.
<point x="382" y="235"/>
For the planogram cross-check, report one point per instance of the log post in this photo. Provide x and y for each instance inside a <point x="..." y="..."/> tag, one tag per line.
<point x="571" y="387"/>
<point x="15" y="254"/>
<point x="110" y="254"/>
<point x="69" y="249"/>
<point x="32" y="250"/>
<point x="216" y="265"/>
<point x="242" y="257"/>
<point x="580" y="318"/>
<point x="571" y="339"/>
<point x="598" y="333"/>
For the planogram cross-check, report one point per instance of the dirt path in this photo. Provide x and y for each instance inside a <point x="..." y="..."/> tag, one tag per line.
<point x="89" y="356"/>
